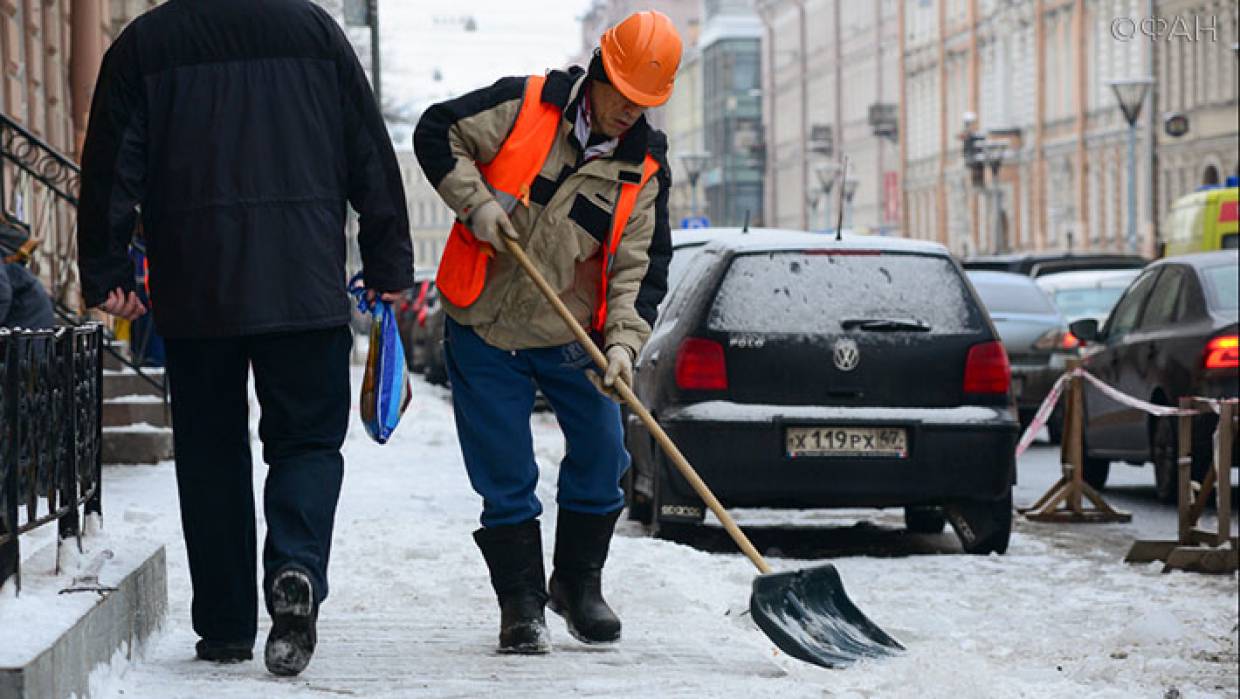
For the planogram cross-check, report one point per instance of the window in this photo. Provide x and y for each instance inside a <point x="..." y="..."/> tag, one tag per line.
<point x="1161" y="310"/>
<point x="1124" y="318"/>
<point x="1222" y="283"/>
<point x="813" y="292"/>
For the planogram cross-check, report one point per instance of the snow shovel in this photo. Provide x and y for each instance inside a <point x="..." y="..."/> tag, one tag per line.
<point x="806" y="613"/>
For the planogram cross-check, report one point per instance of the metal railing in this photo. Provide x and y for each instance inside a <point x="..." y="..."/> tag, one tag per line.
<point x="39" y="189"/>
<point x="51" y="434"/>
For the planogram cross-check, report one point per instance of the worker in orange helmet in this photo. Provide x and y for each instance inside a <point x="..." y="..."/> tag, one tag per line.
<point x="566" y="166"/>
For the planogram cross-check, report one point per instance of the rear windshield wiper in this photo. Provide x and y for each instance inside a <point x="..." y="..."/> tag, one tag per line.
<point x="886" y="325"/>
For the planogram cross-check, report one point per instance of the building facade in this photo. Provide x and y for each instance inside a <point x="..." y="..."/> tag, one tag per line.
<point x="685" y="129"/>
<point x="1198" y="76"/>
<point x="729" y="51"/>
<point x="1035" y="75"/>
<point x="430" y="219"/>
<point x="831" y="88"/>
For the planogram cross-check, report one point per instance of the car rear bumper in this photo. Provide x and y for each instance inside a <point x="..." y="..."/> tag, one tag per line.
<point x="740" y="451"/>
<point x="1031" y="383"/>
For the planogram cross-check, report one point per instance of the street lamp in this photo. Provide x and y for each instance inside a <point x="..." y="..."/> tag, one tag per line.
<point x="694" y="163"/>
<point x="1131" y="95"/>
<point x="992" y="154"/>
<point x="827" y="173"/>
<point x="850" y="188"/>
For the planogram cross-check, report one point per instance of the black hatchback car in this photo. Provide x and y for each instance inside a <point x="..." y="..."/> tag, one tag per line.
<point x="1172" y="334"/>
<point x="797" y="371"/>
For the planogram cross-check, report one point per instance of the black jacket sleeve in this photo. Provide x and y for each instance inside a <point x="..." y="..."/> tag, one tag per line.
<point x="375" y="188"/>
<point x="654" y="284"/>
<point x="113" y="178"/>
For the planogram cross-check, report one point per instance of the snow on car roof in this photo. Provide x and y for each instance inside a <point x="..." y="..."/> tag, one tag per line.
<point x="1088" y="279"/>
<point x="1202" y="259"/>
<point x="774" y="239"/>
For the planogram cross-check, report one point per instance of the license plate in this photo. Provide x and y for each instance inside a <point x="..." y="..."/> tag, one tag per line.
<point x="888" y="442"/>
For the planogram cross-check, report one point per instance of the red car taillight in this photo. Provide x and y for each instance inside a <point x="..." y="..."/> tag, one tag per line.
<point x="1223" y="352"/>
<point x="700" y="366"/>
<point x="1070" y="341"/>
<point x="987" y="369"/>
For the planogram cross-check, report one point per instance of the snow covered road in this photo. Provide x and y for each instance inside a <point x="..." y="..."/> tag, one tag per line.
<point x="411" y="612"/>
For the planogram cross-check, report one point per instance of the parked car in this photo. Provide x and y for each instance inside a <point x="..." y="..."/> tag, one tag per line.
<point x="411" y="316"/>
<point x="1035" y="335"/>
<point x="1036" y="264"/>
<point x="435" y="370"/>
<point x="797" y="371"/>
<point x="1172" y="334"/>
<point x="1203" y="221"/>
<point x="1088" y="293"/>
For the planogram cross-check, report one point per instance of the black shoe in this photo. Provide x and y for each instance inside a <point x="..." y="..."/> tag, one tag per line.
<point x="294" y="611"/>
<point x="581" y="543"/>
<point x="514" y="556"/>
<point x="224" y="652"/>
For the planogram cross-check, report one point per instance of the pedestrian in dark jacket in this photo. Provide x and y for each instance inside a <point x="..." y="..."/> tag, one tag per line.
<point x="238" y="130"/>
<point x="24" y="302"/>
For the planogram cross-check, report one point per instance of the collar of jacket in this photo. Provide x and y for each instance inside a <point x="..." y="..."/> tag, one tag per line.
<point x="564" y="89"/>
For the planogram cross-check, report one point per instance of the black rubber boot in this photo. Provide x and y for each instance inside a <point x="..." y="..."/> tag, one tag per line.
<point x="294" y="613"/>
<point x="581" y="543"/>
<point x="514" y="556"/>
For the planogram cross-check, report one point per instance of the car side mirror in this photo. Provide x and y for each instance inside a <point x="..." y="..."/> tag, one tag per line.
<point x="1085" y="329"/>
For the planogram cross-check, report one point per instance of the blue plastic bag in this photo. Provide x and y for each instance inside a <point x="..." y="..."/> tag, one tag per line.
<point x="385" y="389"/>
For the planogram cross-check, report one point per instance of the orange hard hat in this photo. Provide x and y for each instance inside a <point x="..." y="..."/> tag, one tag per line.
<point x="641" y="55"/>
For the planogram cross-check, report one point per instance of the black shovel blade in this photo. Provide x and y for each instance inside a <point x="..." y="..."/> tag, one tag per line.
<point x="809" y="616"/>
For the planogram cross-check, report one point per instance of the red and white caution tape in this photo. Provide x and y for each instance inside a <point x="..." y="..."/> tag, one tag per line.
<point x="1048" y="405"/>
<point x="1043" y="414"/>
<point x="1121" y="397"/>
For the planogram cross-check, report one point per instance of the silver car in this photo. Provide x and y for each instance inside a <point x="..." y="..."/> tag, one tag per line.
<point x="1087" y="293"/>
<point x="1035" y="335"/>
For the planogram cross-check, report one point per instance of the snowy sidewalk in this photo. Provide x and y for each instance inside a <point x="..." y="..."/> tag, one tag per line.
<point x="411" y="612"/>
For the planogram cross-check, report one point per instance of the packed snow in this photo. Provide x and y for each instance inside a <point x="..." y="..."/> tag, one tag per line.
<point x="412" y="613"/>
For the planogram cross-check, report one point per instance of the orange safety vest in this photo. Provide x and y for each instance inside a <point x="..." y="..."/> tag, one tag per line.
<point x="463" y="267"/>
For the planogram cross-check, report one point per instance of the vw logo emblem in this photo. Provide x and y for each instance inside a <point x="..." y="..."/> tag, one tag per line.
<point x="847" y="356"/>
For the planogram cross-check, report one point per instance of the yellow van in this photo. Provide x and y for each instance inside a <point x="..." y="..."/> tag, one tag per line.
<point x="1202" y="221"/>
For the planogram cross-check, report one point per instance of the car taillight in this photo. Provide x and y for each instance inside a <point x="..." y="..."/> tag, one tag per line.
<point x="1070" y="342"/>
<point x="987" y="370"/>
<point x="700" y="366"/>
<point x="1223" y="352"/>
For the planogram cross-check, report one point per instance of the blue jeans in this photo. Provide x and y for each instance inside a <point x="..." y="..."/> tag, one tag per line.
<point x="493" y="397"/>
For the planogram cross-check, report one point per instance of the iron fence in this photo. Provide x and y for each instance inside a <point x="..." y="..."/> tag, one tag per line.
<point x="39" y="196"/>
<point x="51" y="390"/>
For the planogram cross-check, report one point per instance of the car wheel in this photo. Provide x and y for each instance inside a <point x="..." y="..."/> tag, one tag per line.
<point x="924" y="520"/>
<point x="1165" y="452"/>
<point x="639" y="510"/>
<point x="436" y="372"/>
<point x="1054" y="426"/>
<point x="983" y="526"/>
<point x="1095" y="472"/>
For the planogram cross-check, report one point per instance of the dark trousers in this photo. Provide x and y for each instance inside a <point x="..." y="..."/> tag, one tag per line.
<point x="302" y="382"/>
<point x="493" y="396"/>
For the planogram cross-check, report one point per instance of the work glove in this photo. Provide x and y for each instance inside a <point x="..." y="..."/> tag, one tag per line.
<point x="619" y="366"/>
<point x="488" y="222"/>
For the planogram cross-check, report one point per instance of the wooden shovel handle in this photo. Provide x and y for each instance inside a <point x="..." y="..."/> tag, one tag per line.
<point x="669" y="447"/>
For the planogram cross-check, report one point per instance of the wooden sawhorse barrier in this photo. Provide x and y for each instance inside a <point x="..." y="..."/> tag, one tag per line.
<point x="1196" y="549"/>
<point x="1072" y="489"/>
